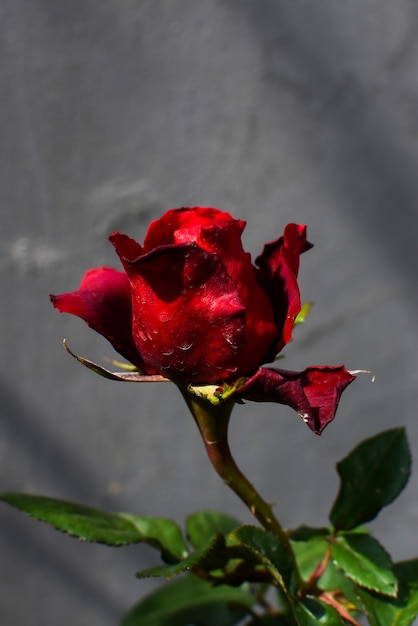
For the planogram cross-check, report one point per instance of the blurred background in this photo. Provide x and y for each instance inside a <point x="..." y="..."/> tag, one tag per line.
<point x="275" y="111"/>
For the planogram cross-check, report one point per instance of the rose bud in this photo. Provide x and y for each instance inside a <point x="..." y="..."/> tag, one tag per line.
<point x="190" y="306"/>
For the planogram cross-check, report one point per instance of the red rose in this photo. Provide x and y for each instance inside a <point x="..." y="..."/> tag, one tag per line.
<point x="190" y="305"/>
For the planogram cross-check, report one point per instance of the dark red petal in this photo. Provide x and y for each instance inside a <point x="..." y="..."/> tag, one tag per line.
<point x="262" y="332"/>
<point x="103" y="300"/>
<point x="218" y="233"/>
<point x="313" y="393"/>
<point x="188" y="317"/>
<point x="286" y="249"/>
<point x="278" y="269"/>
<point x="185" y="225"/>
<point x="131" y="248"/>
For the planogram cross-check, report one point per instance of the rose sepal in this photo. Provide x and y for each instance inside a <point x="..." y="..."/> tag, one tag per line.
<point x="128" y="377"/>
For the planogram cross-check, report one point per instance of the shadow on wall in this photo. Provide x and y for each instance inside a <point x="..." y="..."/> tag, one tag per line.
<point x="58" y="561"/>
<point x="359" y="130"/>
<point x="24" y="430"/>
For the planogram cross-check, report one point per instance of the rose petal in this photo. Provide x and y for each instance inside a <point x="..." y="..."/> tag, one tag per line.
<point x="278" y="269"/>
<point x="262" y="331"/>
<point x="219" y="234"/>
<point x="188" y="317"/>
<point x="103" y="300"/>
<point x="313" y="393"/>
<point x="287" y="249"/>
<point x="185" y="225"/>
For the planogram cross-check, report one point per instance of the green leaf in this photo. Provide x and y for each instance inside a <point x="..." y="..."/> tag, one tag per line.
<point x="201" y="526"/>
<point x="232" y="559"/>
<point x="212" y="555"/>
<point x="407" y="615"/>
<point x="272" y="553"/>
<point x="400" y="611"/>
<point x="380" y="610"/>
<point x="309" y="554"/>
<point x="407" y="573"/>
<point x="189" y="600"/>
<point x="364" y="561"/>
<point x="311" y="612"/>
<point x="160" y="533"/>
<point x="269" y="620"/>
<point x="112" y="529"/>
<point x="305" y="533"/>
<point x="372" y="476"/>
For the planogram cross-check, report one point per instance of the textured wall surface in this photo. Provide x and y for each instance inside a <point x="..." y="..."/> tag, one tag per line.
<point x="277" y="111"/>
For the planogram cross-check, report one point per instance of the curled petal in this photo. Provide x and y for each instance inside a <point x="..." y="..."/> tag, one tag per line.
<point x="103" y="301"/>
<point x="186" y="224"/>
<point x="278" y="270"/>
<point x="313" y="393"/>
<point x="287" y="249"/>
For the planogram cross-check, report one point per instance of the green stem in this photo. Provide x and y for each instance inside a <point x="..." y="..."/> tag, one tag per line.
<point x="213" y="422"/>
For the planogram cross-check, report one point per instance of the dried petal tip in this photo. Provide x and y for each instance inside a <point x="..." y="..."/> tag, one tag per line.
<point x="355" y="372"/>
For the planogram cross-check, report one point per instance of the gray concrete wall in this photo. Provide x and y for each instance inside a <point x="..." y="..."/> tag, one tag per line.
<point x="277" y="111"/>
